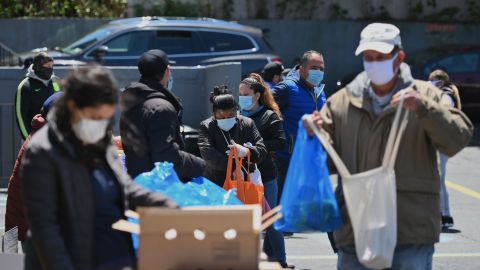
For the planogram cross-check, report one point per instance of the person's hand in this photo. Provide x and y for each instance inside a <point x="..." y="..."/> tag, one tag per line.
<point x="248" y="144"/>
<point x="317" y="121"/>
<point x="412" y="101"/>
<point x="241" y="150"/>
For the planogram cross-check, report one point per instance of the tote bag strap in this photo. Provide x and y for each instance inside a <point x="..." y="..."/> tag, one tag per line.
<point x="247" y="171"/>
<point x="341" y="168"/>
<point x="231" y="156"/>
<point x="403" y="126"/>
<point x="395" y="134"/>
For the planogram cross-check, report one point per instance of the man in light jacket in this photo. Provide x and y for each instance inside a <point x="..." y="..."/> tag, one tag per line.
<point x="358" y="119"/>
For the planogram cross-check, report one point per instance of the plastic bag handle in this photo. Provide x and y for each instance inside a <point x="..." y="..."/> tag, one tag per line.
<point x="248" y="166"/>
<point x="341" y="168"/>
<point x="240" y="188"/>
<point x="238" y="176"/>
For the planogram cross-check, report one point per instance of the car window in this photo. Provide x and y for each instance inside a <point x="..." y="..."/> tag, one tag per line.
<point x="175" y="42"/>
<point x="129" y="44"/>
<point x="460" y="63"/>
<point x="221" y="42"/>
<point x="87" y="40"/>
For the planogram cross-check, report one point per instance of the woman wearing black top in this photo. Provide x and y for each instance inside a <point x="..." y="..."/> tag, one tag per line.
<point x="256" y="101"/>
<point x="225" y="130"/>
<point x="73" y="184"/>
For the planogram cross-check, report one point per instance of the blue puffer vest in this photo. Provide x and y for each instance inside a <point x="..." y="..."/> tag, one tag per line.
<point x="301" y="101"/>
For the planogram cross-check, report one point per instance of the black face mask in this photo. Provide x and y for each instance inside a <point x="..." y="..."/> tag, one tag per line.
<point x="44" y="73"/>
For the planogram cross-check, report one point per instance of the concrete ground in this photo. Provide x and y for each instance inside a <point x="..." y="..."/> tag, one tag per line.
<point x="458" y="249"/>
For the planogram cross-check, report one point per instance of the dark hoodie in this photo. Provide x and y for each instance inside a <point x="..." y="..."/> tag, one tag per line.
<point x="29" y="98"/>
<point x="150" y="130"/>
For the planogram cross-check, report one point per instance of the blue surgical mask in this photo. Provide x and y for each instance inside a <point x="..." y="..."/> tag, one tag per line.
<point x="170" y="83"/>
<point x="245" y="102"/>
<point x="315" y="77"/>
<point x="226" y="124"/>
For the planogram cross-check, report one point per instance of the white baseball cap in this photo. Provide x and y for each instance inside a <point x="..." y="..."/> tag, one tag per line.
<point x="380" y="37"/>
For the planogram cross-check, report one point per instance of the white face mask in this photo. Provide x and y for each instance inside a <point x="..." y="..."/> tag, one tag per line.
<point x="380" y="72"/>
<point x="226" y="124"/>
<point x="90" y="131"/>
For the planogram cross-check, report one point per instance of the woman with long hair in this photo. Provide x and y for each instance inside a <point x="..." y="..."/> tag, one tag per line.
<point x="256" y="102"/>
<point x="74" y="187"/>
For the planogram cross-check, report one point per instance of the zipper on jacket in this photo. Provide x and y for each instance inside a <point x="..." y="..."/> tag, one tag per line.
<point x="315" y="97"/>
<point x="290" y="147"/>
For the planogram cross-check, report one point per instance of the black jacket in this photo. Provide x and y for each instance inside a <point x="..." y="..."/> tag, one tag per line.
<point x="270" y="127"/>
<point x="213" y="145"/>
<point x="29" y="98"/>
<point x="59" y="201"/>
<point x="150" y="130"/>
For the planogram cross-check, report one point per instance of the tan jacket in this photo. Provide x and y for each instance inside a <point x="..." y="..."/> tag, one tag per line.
<point x="359" y="137"/>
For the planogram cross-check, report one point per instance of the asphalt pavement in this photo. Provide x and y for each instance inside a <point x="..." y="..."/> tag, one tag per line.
<point x="459" y="248"/>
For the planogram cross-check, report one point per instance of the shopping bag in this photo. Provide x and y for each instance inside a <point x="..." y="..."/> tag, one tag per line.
<point x="10" y="241"/>
<point x="247" y="192"/>
<point x="198" y="192"/>
<point x="371" y="199"/>
<point x="308" y="201"/>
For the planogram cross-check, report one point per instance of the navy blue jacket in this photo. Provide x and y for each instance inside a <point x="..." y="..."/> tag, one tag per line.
<point x="296" y="99"/>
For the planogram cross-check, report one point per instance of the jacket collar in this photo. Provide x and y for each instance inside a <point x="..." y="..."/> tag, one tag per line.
<point x="31" y="74"/>
<point x="55" y="134"/>
<point x="157" y="86"/>
<point x="358" y="89"/>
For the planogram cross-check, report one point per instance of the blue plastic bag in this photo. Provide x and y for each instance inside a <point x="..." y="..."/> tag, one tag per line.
<point x="198" y="192"/>
<point x="308" y="202"/>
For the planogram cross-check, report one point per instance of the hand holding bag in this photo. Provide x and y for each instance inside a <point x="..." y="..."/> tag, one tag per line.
<point x="308" y="201"/>
<point x="371" y="199"/>
<point x="247" y="192"/>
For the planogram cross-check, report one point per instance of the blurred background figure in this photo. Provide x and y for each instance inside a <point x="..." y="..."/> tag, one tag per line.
<point x="440" y="79"/>
<point x="39" y="84"/>
<point x="272" y="73"/>
<point x="15" y="209"/>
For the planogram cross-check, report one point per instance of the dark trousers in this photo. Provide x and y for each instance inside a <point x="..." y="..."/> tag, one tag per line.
<point x="282" y="167"/>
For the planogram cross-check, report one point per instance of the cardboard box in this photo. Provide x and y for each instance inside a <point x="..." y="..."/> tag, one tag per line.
<point x="207" y="238"/>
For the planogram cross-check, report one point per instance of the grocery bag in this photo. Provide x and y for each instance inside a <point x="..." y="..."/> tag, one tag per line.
<point x="371" y="199"/>
<point x="197" y="192"/>
<point x="308" y="201"/>
<point x="247" y="192"/>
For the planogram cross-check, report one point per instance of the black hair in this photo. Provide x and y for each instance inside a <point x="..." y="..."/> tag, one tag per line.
<point x="306" y="57"/>
<point x="222" y="99"/>
<point x="40" y="59"/>
<point x="87" y="86"/>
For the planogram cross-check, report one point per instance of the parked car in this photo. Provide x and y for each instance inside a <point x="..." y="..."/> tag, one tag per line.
<point x="462" y="63"/>
<point x="187" y="41"/>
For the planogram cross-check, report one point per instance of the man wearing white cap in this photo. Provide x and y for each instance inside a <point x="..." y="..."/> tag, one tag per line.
<point x="358" y="119"/>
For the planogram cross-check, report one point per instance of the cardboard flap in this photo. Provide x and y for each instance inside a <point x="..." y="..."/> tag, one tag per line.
<point x="209" y="219"/>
